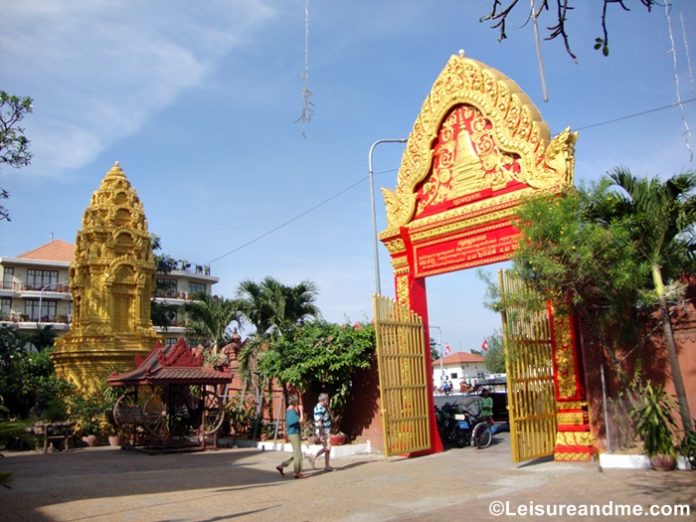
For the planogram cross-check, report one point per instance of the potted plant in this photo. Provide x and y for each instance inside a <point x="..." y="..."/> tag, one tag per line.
<point x="687" y="448"/>
<point x="655" y="425"/>
<point x="113" y="431"/>
<point x="89" y="417"/>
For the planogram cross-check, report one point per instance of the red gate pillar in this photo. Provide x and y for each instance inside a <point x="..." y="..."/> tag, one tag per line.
<point x="573" y="436"/>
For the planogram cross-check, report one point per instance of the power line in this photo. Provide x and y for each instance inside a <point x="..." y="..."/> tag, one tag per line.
<point x="364" y="178"/>
<point x="636" y="114"/>
<point x="295" y="218"/>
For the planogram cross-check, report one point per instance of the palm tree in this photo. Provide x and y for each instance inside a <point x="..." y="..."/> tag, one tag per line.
<point x="257" y="304"/>
<point x="299" y="302"/>
<point x="271" y="305"/>
<point x="210" y="316"/>
<point x="662" y="217"/>
<point x="272" y="308"/>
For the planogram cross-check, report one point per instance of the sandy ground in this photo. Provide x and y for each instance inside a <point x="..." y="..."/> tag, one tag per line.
<point x="108" y="484"/>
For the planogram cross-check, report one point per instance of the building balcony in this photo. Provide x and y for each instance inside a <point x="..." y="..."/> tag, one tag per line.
<point x="60" y="323"/>
<point x="45" y="295"/>
<point x="171" y="330"/>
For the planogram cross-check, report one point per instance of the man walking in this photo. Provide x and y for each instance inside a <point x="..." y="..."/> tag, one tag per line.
<point x="322" y="429"/>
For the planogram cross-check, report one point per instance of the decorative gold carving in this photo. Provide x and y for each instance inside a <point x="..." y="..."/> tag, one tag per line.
<point x="516" y="130"/>
<point x="429" y="233"/>
<point x="576" y="418"/>
<point x="111" y="282"/>
<point x="399" y="262"/>
<point x="402" y="295"/>
<point x="565" y="357"/>
<point x="573" y="438"/>
<point x="395" y="246"/>
<point x="571" y="405"/>
<point x="573" y="456"/>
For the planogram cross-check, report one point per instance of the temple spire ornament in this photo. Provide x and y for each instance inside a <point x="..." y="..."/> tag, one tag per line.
<point x="111" y="282"/>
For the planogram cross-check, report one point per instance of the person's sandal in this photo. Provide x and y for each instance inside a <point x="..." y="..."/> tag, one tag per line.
<point x="329" y="468"/>
<point x="299" y="476"/>
<point x="280" y="470"/>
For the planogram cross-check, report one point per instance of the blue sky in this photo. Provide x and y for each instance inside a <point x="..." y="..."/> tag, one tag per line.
<point x="198" y="102"/>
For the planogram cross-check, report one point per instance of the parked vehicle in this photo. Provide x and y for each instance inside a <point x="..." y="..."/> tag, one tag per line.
<point x="461" y="427"/>
<point x="498" y="392"/>
<point x="454" y="424"/>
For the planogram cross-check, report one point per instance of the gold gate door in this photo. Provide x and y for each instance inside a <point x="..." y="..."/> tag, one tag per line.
<point x="402" y="377"/>
<point x="529" y="368"/>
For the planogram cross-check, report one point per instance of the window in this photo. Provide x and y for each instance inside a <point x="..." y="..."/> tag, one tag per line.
<point x="8" y="277"/>
<point x="453" y="375"/>
<point x="170" y="341"/>
<point x="5" y="308"/>
<point x="480" y="375"/>
<point x="196" y="288"/>
<point x="38" y="279"/>
<point x="165" y="287"/>
<point x="31" y="310"/>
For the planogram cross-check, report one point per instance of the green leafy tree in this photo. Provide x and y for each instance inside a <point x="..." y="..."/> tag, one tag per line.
<point x="14" y="145"/>
<point x="605" y="246"/>
<point x="272" y="305"/>
<point x="661" y="218"/>
<point x="321" y="356"/>
<point x="567" y="253"/>
<point x="434" y="350"/>
<point x="42" y="337"/>
<point x="274" y="309"/>
<point x="495" y="355"/>
<point x="28" y="382"/>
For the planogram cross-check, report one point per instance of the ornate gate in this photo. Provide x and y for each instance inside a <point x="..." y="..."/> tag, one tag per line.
<point x="529" y="367"/>
<point x="403" y="381"/>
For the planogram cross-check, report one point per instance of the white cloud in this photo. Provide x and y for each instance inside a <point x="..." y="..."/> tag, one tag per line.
<point x="99" y="70"/>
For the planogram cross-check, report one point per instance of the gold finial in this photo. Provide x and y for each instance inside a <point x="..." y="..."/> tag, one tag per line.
<point x="116" y="170"/>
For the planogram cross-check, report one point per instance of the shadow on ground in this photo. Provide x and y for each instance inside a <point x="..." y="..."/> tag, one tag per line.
<point x="40" y="480"/>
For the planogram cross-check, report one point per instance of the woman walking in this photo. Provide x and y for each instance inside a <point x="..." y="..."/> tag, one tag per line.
<point x="293" y="419"/>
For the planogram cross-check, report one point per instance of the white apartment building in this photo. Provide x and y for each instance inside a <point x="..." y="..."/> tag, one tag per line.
<point x="34" y="290"/>
<point x="458" y="367"/>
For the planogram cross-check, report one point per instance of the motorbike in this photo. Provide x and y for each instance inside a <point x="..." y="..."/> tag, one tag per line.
<point x="455" y="424"/>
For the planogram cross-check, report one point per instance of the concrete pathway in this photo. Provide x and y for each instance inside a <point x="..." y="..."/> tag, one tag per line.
<point x="107" y="484"/>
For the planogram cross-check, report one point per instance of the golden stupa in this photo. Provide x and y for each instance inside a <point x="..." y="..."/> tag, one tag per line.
<point x="111" y="282"/>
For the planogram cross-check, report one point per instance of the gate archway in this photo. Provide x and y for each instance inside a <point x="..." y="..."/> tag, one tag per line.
<point x="478" y="148"/>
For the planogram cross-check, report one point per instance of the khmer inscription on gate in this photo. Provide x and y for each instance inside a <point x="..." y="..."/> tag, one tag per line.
<point x="464" y="252"/>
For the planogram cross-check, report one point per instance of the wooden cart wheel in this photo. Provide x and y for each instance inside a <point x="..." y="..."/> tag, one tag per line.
<point x="155" y="416"/>
<point x="127" y="414"/>
<point x="213" y="412"/>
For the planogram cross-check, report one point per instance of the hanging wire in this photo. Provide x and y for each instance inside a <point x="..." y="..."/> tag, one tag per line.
<point x="686" y="48"/>
<point x="687" y="130"/>
<point x="308" y="107"/>
<point x="540" y="59"/>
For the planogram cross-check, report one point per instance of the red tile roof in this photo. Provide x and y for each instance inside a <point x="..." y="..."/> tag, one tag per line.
<point x="56" y="250"/>
<point x="460" y="358"/>
<point x="170" y="365"/>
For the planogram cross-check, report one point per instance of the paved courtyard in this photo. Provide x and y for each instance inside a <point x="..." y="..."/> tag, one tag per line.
<point x="107" y="484"/>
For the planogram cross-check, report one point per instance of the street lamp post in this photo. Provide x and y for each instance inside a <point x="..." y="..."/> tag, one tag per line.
<point x="442" y="351"/>
<point x="43" y="288"/>
<point x="378" y="284"/>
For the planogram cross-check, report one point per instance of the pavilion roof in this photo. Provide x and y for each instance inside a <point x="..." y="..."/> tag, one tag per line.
<point x="177" y="364"/>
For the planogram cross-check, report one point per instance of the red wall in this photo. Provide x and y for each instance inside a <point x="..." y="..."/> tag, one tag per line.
<point x="653" y="356"/>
